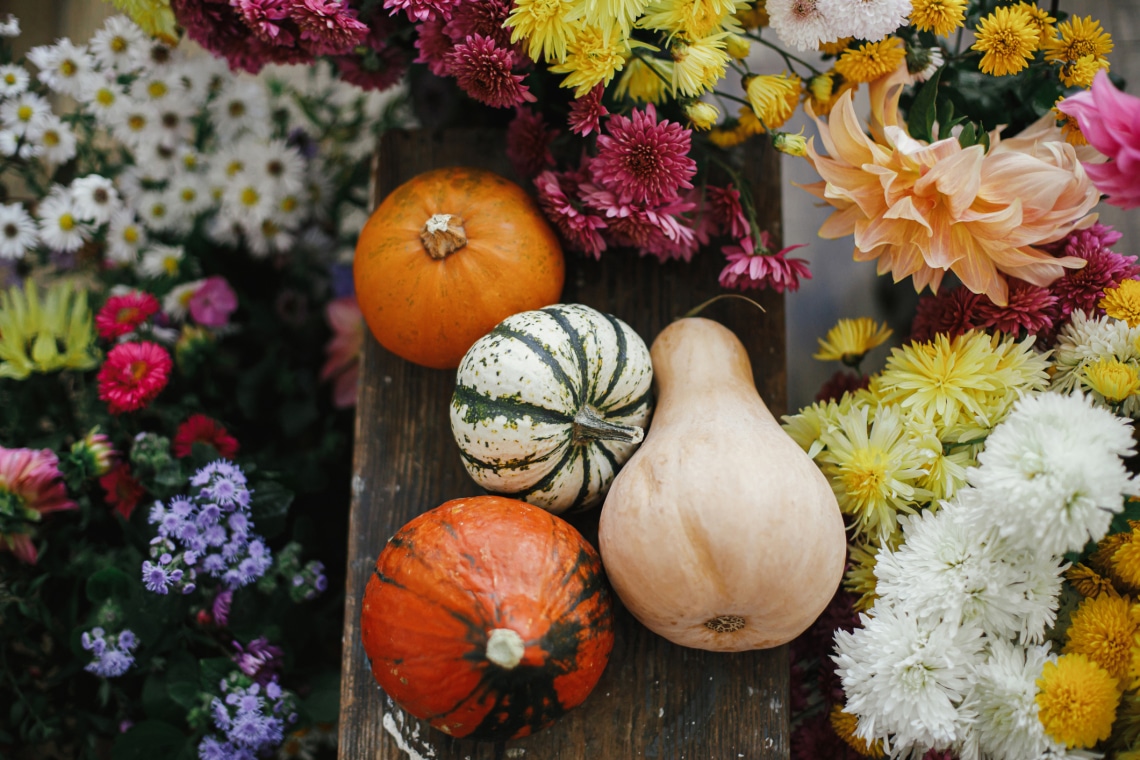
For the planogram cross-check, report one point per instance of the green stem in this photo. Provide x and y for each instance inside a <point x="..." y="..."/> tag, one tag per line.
<point x="788" y="57"/>
<point x="590" y="426"/>
<point x="696" y="310"/>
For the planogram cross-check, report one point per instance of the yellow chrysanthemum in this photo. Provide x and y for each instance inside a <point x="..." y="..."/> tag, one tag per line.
<point x="806" y="427"/>
<point x="698" y="64"/>
<point x="1125" y="561"/>
<point x="860" y="577"/>
<point x="773" y="97"/>
<point x="701" y="115"/>
<point x="153" y="16"/>
<point x="645" y="81"/>
<point x="938" y="16"/>
<point x="1088" y="582"/>
<point x="607" y="13"/>
<point x="1103" y="629"/>
<point x="824" y="91"/>
<point x="45" y="331"/>
<point x="693" y="18"/>
<point x="850" y="340"/>
<point x="593" y="57"/>
<point x="728" y="137"/>
<point x="1041" y="21"/>
<point x="835" y="47"/>
<point x="1008" y="38"/>
<point x="738" y="47"/>
<point x="1070" y="129"/>
<point x="1080" y="73"/>
<point x="1077" y="38"/>
<point x="1112" y="379"/>
<point x="1123" y="302"/>
<point x="1077" y="701"/>
<point x="871" y="60"/>
<point x="753" y="17"/>
<point x="845" y="724"/>
<point x="1106" y="548"/>
<point x="544" y="26"/>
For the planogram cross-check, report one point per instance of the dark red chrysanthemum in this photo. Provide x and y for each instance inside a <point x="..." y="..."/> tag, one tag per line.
<point x="841" y="382"/>
<point x="580" y="230"/>
<point x="643" y="160"/>
<point x="132" y="375"/>
<point x="123" y="491"/>
<point x="1030" y="309"/>
<point x="434" y="47"/>
<point x="484" y="71"/>
<point x="123" y="314"/>
<point x="587" y="111"/>
<point x="951" y="312"/>
<point x="528" y="143"/>
<point x="264" y="17"/>
<point x="486" y="17"/>
<point x="377" y="70"/>
<point x="328" y="26"/>
<point x="201" y="429"/>
<point x="727" y="211"/>
<point x="422" y="10"/>
<point x="218" y="27"/>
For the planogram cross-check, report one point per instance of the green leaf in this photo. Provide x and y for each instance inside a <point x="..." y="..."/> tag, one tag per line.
<point x="323" y="702"/>
<point x="148" y="740"/>
<point x="968" y="136"/>
<point x="269" y="507"/>
<point x="184" y="693"/>
<point x="157" y="703"/>
<point x="920" y="120"/>
<point x="213" y="670"/>
<point x="108" y="583"/>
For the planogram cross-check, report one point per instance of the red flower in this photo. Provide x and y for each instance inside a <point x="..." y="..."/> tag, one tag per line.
<point x="133" y="375"/>
<point x="1030" y="308"/>
<point x="579" y="228"/>
<point x="484" y="71"/>
<point x="486" y="17"/>
<point x="329" y="27"/>
<point x="839" y="383"/>
<point x="123" y="491"/>
<point x="952" y="312"/>
<point x="528" y="143"/>
<point x="643" y="160"/>
<point x="202" y="429"/>
<point x="122" y="314"/>
<point x="727" y="211"/>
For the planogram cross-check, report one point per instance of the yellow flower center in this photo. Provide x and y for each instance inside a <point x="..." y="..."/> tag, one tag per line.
<point x="118" y="45"/>
<point x="9" y="78"/>
<point x="158" y="210"/>
<point x="236" y="109"/>
<point x="68" y="68"/>
<point x="131" y="234"/>
<point x="170" y="264"/>
<point x="289" y="203"/>
<point x="51" y="138"/>
<point x="24" y="113"/>
<point x="104" y="97"/>
<point x="136" y="122"/>
<point x="66" y="222"/>
<point x="233" y="167"/>
<point x="188" y="194"/>
<point x="156" y="89"/>
<point x="250" y="196"/>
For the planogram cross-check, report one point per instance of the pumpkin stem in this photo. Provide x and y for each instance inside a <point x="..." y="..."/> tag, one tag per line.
<point x="505" y="648"/>
<point x="443" y="235"/>
<point x="591" y="426"/>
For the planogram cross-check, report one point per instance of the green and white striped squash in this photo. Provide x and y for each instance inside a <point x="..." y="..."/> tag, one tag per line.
<point x="551" y="403"/>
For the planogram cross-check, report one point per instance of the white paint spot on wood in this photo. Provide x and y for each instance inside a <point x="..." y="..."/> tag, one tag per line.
<point x="515" y="752"/>
<point x="660" y="712"/>
<point x="357" y="485"/>
<point x="751" y="691"/>
<point x="768" y="743"/>
<point x="775" y="705"/>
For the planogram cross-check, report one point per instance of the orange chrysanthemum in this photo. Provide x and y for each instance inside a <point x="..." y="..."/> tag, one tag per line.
<point x="922" y="209"/>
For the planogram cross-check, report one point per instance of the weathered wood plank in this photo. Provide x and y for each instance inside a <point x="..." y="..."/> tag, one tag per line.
<point x="655" y="700"/>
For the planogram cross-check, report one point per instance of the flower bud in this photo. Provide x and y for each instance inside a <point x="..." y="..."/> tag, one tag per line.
<point x="94" y="453"/>
<point x="702" y="115"/>
<point x="737" y="47"/>
<point x="793" y="145"/>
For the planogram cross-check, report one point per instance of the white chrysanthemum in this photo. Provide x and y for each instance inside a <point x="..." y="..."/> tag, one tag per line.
<point x="1004" y="698"/>
<point x="13" y="80"/>
<point x="10" y="26"/>
<point x="64" y="67"/>
<point x="17" y="231"/>
<point x="870" y="20"/>
<point x="160" y="261"/>
<point x="800" y="24"/>
<point x="176" y="303"/>
<point x="905" y="677"/>
<point x="125" y="236"/>
<point x="279" y="165"/>
<point x="1085" y="340"/>
<point x="95" y="198"/>
<point x="24" y="111"/>
<point x="55" y="139"/>
<point x="1052" y="472"/>
<point x="12" y="144"/>
<point x="119" y="45"/>
<point x="60" y="227"/>
<point x="242" y="107"/>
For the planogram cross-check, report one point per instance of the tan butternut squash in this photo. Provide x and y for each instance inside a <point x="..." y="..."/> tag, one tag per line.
<point x="719" y="533"/>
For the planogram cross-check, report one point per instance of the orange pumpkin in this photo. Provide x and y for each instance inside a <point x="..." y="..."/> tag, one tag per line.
<point x="446" y="257"/>
<point x="487" y="617"/>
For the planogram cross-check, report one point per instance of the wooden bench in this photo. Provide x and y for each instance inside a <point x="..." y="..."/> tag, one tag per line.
<point x="655" y="700"/>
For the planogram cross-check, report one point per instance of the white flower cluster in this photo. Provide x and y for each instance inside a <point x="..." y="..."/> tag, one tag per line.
<point x="805" y="24"/>
<point x="950" y="654"/>
<point x="1086" y="340"/>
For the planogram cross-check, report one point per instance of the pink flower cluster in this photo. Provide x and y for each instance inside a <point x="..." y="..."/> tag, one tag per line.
<point x="31" y="486"/>
<point x="1033" y="310"/>
<point x="1110" y="121"/>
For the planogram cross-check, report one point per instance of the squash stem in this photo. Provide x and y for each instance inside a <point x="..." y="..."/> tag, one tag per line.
<point x="505" y="648"/>
<point x="591" y="426"/>
<point x="443" y="235"/>
<point x="702" y="306"/>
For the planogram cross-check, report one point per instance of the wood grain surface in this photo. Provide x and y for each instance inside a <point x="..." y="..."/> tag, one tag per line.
<point x="655" y="700"/>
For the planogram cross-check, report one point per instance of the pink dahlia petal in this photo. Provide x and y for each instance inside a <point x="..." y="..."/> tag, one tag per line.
<point x="528" y="143"/>
<point x="1029" y="309"/>
<point x="748" y="269"/>
<point x="483" y="71"/>
<point x="587" y="111"/>
<point x="31" y="486"/>
<point x="330" y="27"/>
<point x="644" y="160"/>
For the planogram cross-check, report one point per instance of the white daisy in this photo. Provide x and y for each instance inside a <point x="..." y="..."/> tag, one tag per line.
<point x="133" y="123"/>
<point x="232" y="160"/>
<point x="64" y="66"/>
<point x="248" y="200"/>
<point x="176" y="303"/>
<point x="159" y="56"/>
<point x="160" y="261"/>
<point x="119" y="45"/>
<point x="125" y="236"/>
<point x="279" y="165"/>
<point x="1052" y="472"/>
<point x="17" y="231"/>
<point x="188" y="194"/>
<point x="190" y="160"/>
<point x="156" y="159"/>
<point x="242" y="106"/>
<point x="12" y="144"/>
<point x="203" y="76"/>
<point x="154" y="211"/>
<point x="157" y="87"/>
<point x="906" y="678"/>
<point x="60" y="227"/>
<point x="870" y="20"/>
<point x="351" y="219"/>
<point x="225" y="230"/>
<point x="56" y="140"/>
<point x="319" y="189"/>
<point x="23" y="111"/>
<point x="801" y="24"/>
<point x="10" y="26"/>
<point x="101" y="100"/>
<point x="933" y="60"/>
<point x="268" y="237"/>
<point x="173" y="118"/>
<point x="13" y="80"/>
<point x="95" y="198"/>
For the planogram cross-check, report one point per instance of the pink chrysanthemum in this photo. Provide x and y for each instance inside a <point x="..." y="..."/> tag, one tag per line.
<point x="1082" y="289"/>
<point x="643" y="160"/>
<point x="580" y="230"/>
<point x="748" y="269"/>
<point x="264" y="17"/>
<point x="31" y="486"/>
<point x="727" y="211"/>
<point x="1110" y="121"/>
<point x="434" y="47"/>
<point x="951" y="312"/>
<point x="485" y="17"/>
<point x="528" y="143"/>
<point x="122" y="314"/>
<point x="841" y="382"/>
<point x="483" y="71"/>
<point x="587" y="111"/>
<point x="1030" y="308"/>
<point x="421" y="10"/>
<point x="660" y="231"/>
<point x="328" y="26"/>
<point x="132" y="375"/>
<point x="218" y="27"/>
<point x="342" y="363"/>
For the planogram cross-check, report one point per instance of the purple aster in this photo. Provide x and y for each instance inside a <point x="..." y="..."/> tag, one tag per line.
<point x="328" y="26"/>
<point x="1029" y="308"/>
<point x="483" y="70"/>
<point x="528" y="143"/>
<point x="748" y="268"/>
<point x="587" y="111"/>
<point x="213" y="564"/>
<point x="112" y="654"/>
<point x="238" y="523"/>
<point x="215" y="535"/>
<point x="211" y="749"/>
<point x="643" y="160"/>
<point x="94" y="641"/>
<point x="221" y="606"/>
<point x="261" y="661"/>
<point x="155" y="577"/>
<point x="181" y="506"/>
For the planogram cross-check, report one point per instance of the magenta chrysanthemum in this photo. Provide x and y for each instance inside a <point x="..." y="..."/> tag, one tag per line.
<point x="1082" y="289"/>
<point x="328" y="26"/>
<point x="587" y="111"/>
<point x="434" y="47"/>
<point x="727" y="211"/>
<point x="31" y="486"/>
<point x="643" y="160"/>
<point x="483" y="71"/>
<point x="951" y="312"/>
<point x="1030" y="308"/>
<point x="660" y="231"/>
<point x="218" y="27"/>
<point x="528" y="143"/>
<point x="421" y="10"/>
<point x="485" y="17"/>
<point x="580" y="230"/>
<point x="377" y="72"/>
<point x="1110" y="121"/>
<point x="132" y="375"/>
<point x="749" y="269"/>
<point x="263" y="18"/>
